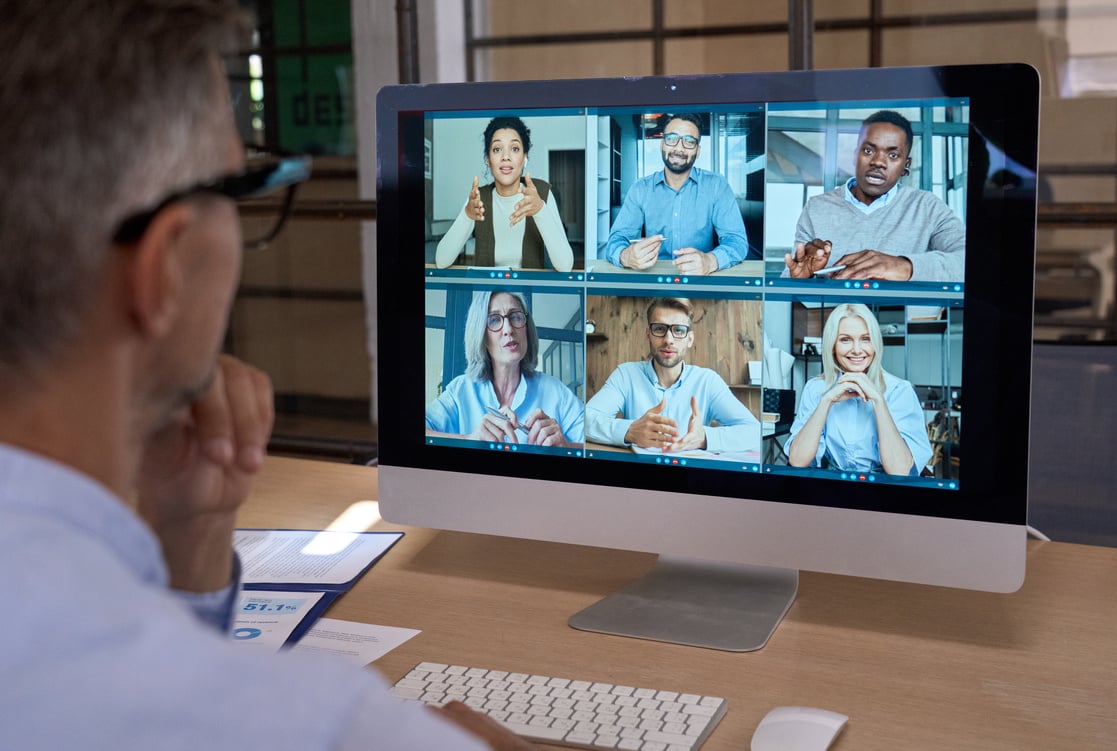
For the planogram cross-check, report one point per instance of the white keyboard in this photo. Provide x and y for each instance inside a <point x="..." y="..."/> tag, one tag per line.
<point x="568" y="712"/>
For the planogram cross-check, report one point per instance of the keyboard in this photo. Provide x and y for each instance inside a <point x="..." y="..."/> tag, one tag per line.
<point x="566" y="712"/>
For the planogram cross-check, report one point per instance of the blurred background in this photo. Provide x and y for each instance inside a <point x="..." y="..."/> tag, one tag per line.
<point x="306" y="304"/>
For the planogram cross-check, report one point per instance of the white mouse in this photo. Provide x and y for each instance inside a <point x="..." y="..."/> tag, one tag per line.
<point x="797" y="729"/>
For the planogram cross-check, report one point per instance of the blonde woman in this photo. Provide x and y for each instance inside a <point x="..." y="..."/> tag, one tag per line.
<point x="856" y="416"/>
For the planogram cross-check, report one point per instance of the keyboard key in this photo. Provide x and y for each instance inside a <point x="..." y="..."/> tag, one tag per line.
<point x="565" y="712"/>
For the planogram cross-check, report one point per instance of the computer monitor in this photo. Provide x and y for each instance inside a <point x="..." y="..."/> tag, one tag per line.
<point x="555" y="365"/>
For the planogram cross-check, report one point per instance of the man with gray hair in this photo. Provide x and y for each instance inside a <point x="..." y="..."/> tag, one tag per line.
<point x="127" y="443"/>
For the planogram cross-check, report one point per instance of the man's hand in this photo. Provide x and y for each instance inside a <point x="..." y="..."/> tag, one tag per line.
<point x="474" y="209"/>
<point x="197" y="471"/>
<point x="808" y="258"/>
<point x="484" y="727"/>
<point x="530" y="205"/>
<point x="873" y="264"/>
<point x="642" y="254"/>
<point x="652" y="429"/>
<point x="695" y="437"/>
<point x="695" y="262"/>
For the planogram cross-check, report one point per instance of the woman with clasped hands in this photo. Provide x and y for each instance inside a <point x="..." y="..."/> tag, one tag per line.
<point x="502" y="397"/>
<point x="514" y="219"/>
<point x="855" y="416"/>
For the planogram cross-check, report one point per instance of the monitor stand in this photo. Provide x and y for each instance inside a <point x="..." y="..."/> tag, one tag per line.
<point x="698" y="603"/>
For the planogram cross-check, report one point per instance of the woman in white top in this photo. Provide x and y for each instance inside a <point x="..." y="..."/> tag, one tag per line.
<point x="514" y="219"/>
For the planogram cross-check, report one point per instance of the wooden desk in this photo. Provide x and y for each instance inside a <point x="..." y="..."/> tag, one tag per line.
<point x="914" y="667"/>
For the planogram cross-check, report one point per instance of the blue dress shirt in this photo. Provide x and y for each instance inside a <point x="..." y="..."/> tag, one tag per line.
<point x="688" y="218"/>
<point x="849" y="438"/>
<point x="99" y="655"/>
<point x="633" y="388"/>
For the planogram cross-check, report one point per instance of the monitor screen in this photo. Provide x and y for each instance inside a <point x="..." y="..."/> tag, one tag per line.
<point x="733" y="319"/>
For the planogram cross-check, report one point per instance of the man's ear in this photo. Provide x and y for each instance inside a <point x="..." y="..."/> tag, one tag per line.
<point x="155" y="281"/>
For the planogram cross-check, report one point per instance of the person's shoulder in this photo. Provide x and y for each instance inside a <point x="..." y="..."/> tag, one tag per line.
<point x="633" y="370"/>
<point x="920" y="196"/>
<point x="458" y="384"/>
<point x="544" y="380"/>
<point x="834" y="196"/>
<point x="705" y="175"/>
<point x="894" y="383"/>
<point x="814" y="384"/>
<point x="699" y="371"/>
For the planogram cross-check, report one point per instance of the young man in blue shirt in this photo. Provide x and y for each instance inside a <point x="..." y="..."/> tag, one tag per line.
<point x="683" y="213"/>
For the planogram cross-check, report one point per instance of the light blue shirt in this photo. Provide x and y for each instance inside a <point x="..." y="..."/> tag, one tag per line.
<point x="868" y="208"/>
<point x="99" y="655"/>
<point x="633" y="388"/>
<point x="464" y="402"/>
<point x="849" y="438"/>
<point x="688" y="218"/>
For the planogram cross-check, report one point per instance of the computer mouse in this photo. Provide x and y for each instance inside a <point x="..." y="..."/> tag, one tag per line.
<point x="797" y="729"/>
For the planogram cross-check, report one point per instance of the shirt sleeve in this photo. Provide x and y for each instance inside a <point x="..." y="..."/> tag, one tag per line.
<point x="733" y="243"/>
<point x="573" y="420"/>
<point x="602" y="423"/>
<point x="452" y="243"/>
<point x="215" y="608"/>
<point x="549" y="224"/>
<point x="444" y="413"/>
<point x="737" y="429"/>
<point x="808" y="403"/>
<point x="907" y="413"/>
<point x="945" y="259"/>
<point x="628" y="224"/>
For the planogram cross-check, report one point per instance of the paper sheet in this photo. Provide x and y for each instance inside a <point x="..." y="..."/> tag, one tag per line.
<point x="283" y="556"/>
<point x="360" y="643"/>
<point x="266" y="619"/>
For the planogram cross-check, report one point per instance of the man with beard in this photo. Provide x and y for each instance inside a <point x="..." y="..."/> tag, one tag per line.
<point x="683" y="214"/>
<point x="874" y="228"/>
<point x="663" y="403"/>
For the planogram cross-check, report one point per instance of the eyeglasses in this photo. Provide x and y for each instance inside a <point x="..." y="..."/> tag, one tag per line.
<point x="265" y="171"/>
<point x="678" y="330"/>
<point x="690" y="143"/>
<point x="495" y="321"/>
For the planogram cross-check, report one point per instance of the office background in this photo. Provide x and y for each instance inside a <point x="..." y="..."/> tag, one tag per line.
<point x="302" y="312"/>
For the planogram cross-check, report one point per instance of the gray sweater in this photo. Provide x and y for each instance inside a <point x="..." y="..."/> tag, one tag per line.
<point x="914" y="224"/>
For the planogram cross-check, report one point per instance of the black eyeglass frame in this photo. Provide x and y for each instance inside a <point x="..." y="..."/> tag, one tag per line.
<point x="690" y="143"/>
<point x="284" y="171"/>
<point x="669" y="327"/>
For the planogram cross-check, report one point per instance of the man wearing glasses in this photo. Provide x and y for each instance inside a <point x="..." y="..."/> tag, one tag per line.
<point x="127" y="443"/>
<point x="665" y="404"/>
<point x="682" y="214"/>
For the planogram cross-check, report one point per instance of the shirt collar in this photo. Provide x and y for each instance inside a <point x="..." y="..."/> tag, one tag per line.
<point x="659" y="177"/>
<point x="649" y="372"/>
<point x="879" y="203"/>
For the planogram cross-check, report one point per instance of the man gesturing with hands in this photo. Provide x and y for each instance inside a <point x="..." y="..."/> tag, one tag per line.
<point x="664" y="403"/>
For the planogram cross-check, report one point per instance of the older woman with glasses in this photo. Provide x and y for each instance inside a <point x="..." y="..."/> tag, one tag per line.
<point x="857" y="416"/>
<point x="501" y="396"/>
<point x="514" y="219"/>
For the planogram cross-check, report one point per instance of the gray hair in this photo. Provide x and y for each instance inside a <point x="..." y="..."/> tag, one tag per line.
<point x="479" y="363"/>
<point x="109" y="105"/>
<point x="830" y="372"/>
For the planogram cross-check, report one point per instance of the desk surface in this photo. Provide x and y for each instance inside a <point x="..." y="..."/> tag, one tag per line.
<point x="914" y="667"/>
